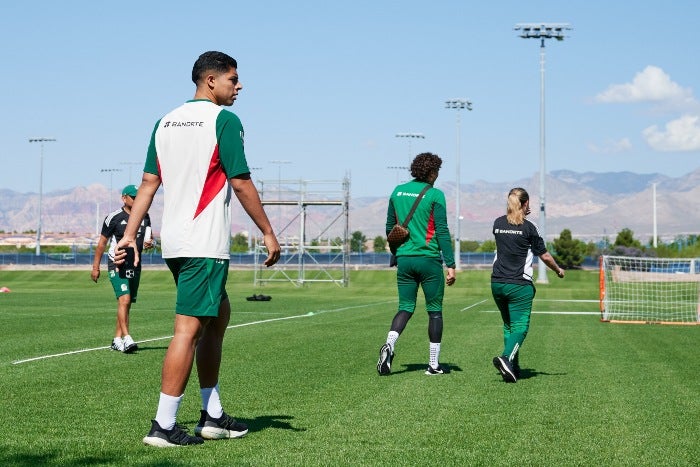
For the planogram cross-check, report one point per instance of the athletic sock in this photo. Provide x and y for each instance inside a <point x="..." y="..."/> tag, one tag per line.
<point x="211" y="401"/>
<point x="391" y="339"/>
<point x="434" y="354"/>
<point x="167" y="410"/>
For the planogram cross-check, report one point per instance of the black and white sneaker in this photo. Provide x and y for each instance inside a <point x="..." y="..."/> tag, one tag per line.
<point x="505" y="368"/>
<point x="129" y="345"/>
<point x="385" y="358"/>
<point x="219" y="428"/>
<point x="117" y="344"/>
<point x="176" y="436"/>
<point x="439" y="370"/>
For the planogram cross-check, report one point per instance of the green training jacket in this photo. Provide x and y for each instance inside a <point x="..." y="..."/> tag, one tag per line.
<point x="429" y="234"/>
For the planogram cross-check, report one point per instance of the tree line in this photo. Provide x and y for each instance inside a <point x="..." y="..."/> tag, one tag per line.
<point x="568" y="251"/>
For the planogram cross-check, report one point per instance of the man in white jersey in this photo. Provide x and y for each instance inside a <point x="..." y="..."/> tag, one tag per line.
<point x="196" y="153"/>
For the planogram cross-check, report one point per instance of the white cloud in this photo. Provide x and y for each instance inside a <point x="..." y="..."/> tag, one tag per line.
<point x="652" y="84"/>
<point x="611" y="146"/>
<point x="682" y="134"/>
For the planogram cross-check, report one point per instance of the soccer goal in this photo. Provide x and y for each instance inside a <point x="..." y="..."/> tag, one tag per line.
<point x="650" y="290"/>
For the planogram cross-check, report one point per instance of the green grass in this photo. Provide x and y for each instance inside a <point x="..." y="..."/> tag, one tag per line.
<point x="592" y="393"/>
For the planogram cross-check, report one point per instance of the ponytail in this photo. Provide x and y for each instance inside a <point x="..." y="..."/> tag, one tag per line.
<point x="515" y="214"/>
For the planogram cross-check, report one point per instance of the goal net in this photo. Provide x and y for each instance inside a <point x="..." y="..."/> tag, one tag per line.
<point x="650" y="290"/>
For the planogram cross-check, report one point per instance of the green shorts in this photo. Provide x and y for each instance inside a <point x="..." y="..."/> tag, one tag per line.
<point x="414" y="271"/>
<point x="125" y="286"/>
<point x="201" y="285"/>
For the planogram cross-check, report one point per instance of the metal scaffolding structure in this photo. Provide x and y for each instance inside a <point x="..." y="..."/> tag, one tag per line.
<point x="312" y="226"/>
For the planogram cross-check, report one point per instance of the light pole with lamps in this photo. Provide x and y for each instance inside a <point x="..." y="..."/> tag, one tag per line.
<point x="458" y="104"/>
<point x="111" y="172"/>
<point x="41" y="141"/>
<point x="279" y="176"/>
<point x="410" y="137"/>
<point x="130" y="164"/>
<point x="542" y="31"/>
<point x="279" y="185"/>
<point x="397" y="168"/>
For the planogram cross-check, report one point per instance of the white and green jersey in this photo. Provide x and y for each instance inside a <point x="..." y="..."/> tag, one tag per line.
<point x="195" y="150"/>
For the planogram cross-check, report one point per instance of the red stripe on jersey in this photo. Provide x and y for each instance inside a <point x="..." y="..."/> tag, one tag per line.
<point x="430" y="231"/>
<point x="215" y="181"/>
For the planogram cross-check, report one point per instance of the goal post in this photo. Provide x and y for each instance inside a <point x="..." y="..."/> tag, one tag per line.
<point x="650" y="290"/>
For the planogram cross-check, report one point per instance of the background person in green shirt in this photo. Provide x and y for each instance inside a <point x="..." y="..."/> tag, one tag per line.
<point x="420" y="258"/>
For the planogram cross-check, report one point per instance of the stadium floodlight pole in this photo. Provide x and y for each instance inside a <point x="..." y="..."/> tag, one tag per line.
<point x="397" y="168"/>
<point x="111" y="172"/>
<point x="41" y="142"/>
<point x="653" y="201"/>
<point x="458" y="104"/>
<point x="279" y="176"/>
<point x="542" y="31"/>
<point x="279" y="185"/>
<point x="131" y="164"/>
<point x="410" y="137"/>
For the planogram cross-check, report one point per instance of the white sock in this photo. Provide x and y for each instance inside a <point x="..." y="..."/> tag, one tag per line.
<point x="167" y="410"/>
<point x="434" y="354"/>
<point x="211" y="401"/>
<point x="391" y="339"/>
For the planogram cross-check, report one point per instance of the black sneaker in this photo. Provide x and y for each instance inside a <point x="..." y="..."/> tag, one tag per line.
<point x="439" y="370"/>
<point x="219" y="428"/>
<point x="385" y="358"/>
<point x="505" y="368"/>
<point x="176" y="436"/>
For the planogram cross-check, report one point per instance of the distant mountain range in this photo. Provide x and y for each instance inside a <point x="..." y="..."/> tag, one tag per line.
<point x="591" y="205"/>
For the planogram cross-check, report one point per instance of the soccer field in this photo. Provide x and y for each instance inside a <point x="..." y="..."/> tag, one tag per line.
<point x="300" y="371"/>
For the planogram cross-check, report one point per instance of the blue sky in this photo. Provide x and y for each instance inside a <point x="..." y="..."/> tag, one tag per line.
<point x="328" y="85"/>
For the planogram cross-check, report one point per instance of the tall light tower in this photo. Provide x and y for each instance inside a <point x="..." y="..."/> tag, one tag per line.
<point x="111" y="172"/>
<point x="398" y="169"/>
<point x="458" y="105"/>
<point x="41" y="141"/>
<point x="279" y="176"/>
<point x="279" y="164"/>
<point x="131" y="164"/>
<point x="410" y="137"/>
<point x="542" y="31"/>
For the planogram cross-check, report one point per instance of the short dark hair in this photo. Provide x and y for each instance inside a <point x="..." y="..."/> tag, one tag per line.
<point x="218" y="62"/>
<point x="424" y="165"/>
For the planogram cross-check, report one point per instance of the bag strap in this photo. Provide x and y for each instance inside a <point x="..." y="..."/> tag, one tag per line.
<point x="415" y="205"/>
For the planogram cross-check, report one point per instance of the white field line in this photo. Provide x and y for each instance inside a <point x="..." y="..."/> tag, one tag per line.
<point x="271" y="320"/>
<point x="473" y="305"/>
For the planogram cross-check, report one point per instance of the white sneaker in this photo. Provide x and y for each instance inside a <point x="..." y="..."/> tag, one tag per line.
<point x="117" y="344"/>
<point x="129" y="345"/>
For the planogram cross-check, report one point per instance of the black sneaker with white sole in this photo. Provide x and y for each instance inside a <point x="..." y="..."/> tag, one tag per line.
<point x="439" y="370"/>
<point x="505" y="368"/>
<point x="224" y="427"/>
<point x="162" y="438"/>
<point x="385" y="358"/>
